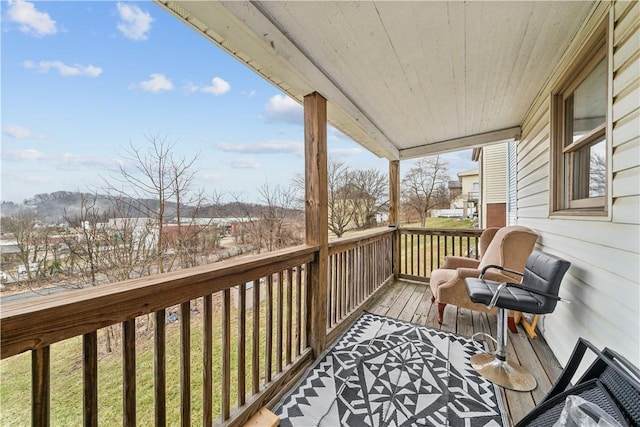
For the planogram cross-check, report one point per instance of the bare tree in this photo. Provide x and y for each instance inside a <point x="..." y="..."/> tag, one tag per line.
<point x="157" y="185"/>
<point x="31" y="241"/>
<point x="84" y="242"/>
<point x="271" y="223"/>
<point x="424" y="187"/>
<point x="339" y="197"/>
<point x="371" y="195"/>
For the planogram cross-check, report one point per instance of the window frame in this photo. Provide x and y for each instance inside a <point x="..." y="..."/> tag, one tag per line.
<point x="562" y="180"/>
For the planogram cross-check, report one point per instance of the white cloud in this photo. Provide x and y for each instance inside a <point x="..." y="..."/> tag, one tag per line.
<point x="191" y="87"/>
<point x="281" y="108"/>
<point x="63" y="69"/>
<point x="266" y="147"/>
<point x="32" y="21"/>
<point x="17" y="132"/>
<point x="157" y="83"/>
<point x="218" y="86"/>
<point x="23" y="155"/>
<point x="134" y="23"/>
<point x="244" y="163"/>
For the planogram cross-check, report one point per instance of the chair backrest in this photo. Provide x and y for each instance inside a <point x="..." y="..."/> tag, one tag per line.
<point x="485" y="239"/>
<point x="509" y="248"/>
<point x="544" y="273"/>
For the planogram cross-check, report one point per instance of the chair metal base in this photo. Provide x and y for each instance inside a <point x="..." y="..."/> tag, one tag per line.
<point x="503" y="372"/>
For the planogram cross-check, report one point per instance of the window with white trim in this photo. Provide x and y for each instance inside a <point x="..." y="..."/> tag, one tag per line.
<point x="579" y="135"/>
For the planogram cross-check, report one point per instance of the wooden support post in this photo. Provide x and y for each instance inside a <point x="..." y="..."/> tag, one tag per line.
<point x="316" y="213"/>
<point x="394" y="212"/>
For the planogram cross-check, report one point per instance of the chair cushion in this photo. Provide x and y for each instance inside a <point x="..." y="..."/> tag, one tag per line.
<point x="512" y="297"/>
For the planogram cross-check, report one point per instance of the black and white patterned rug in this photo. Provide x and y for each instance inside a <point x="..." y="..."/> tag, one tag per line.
<point x="386" y="372"/>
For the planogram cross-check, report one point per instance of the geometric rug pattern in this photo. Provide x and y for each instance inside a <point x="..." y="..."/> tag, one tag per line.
<point x="387" y="372"/>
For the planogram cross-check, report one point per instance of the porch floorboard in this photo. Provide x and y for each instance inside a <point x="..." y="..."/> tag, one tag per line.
<point x="411" y="301"/>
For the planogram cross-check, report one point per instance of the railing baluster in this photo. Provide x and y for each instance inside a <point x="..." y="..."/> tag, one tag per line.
<point x="298" y="310"/>
<point x="255" y="354"/>
<point x="90" y="378"/>
<point x="418" y="255"/>
<point x="268" y="329"/>
<point x="226" y="354"/>
<point x="40" y="387"/>
<point x="446" y="249"/>
<point x="185" y="363"/>
<point x="279" y="323"/>
<point x="431" y="253"/>
<point x="345" y="285"/>
<point x="307" y="305"/>
<point x="207" y="361"/>
<point x="129" y="372"/>
<point x="242" y="308"/>
<point x="287" y="354"/>
<point x="159" y="368"/>
<point x="424" y="256"/>
<point x="405" y="238"/>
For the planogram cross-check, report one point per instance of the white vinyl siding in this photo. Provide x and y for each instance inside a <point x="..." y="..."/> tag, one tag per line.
<point x="494" y="171"/>
<point x="603" y="283"/>
<point x="512" y="177"/>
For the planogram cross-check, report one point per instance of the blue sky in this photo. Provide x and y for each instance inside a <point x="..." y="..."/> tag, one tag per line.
<point x="83" y="80"/>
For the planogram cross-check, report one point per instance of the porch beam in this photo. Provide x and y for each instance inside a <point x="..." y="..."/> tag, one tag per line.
<point x="316" y="214"/>
<point x="456" y="144"/>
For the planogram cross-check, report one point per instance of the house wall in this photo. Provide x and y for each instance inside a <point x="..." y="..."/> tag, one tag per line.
<point x="467" y="181"/>
<point x="494" y="185"/>
<point x="603" y="281"/>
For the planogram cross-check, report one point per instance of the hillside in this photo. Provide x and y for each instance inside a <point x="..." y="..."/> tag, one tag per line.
<point x="64" y="206"/>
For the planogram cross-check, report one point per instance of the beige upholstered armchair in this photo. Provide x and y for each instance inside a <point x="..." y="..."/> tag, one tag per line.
<point x="508" y="247"/>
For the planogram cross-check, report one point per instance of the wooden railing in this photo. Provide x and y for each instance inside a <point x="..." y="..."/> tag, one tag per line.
<point x="422" y="250"/>
<point x="235" y="334"/>
<point x="265" y="298"/>
<point x="358" y="268"/>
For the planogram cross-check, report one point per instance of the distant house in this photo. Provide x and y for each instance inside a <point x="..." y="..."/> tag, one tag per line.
<point x="470" y="192"/>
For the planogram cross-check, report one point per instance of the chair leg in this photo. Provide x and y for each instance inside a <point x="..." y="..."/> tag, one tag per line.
<point x="497" y="369"/>
<point x="441" y="306"/>
<point x="511" y="324"/>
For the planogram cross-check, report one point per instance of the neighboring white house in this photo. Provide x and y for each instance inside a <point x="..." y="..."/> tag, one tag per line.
<point x="470" y="194"/>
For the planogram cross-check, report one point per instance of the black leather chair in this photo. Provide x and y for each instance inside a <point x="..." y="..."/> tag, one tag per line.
<point x="537" y="293"/>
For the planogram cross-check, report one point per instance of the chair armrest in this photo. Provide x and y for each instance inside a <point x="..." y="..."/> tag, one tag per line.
<point x="501" y="268"/>
<point x="453" y="262"/>
<point x="535" y="291"/>
<point x="505" y="285"/>
<point x="564" y="380"/>
<point x="463" y="273"/>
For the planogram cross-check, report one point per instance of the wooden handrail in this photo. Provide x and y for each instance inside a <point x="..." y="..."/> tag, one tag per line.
<point x="421" y="250"/>
<point x="46" y="320"/>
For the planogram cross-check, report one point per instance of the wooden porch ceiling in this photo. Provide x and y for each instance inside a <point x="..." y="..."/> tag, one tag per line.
<point x="403" y="79"/>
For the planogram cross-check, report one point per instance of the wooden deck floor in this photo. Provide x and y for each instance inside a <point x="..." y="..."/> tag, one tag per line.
<point x="411" y="302"/>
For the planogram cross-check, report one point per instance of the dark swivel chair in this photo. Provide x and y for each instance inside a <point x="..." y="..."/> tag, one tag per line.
<point x="537" y="293"/>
